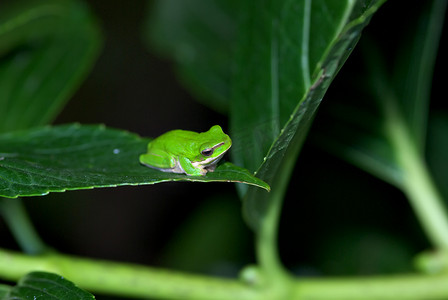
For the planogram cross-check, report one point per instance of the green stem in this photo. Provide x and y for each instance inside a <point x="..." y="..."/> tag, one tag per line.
<point x="267" y="244"/>
<point x="266" y="240"/>
<point x="417" y="182"/>
<point x="125" y="280"/>
<point x="398" y="287"/>
<point x="128" y="280"/>
<point x="19" y="223"/>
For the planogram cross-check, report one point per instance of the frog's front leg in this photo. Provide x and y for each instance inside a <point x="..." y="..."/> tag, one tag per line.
<point x="190" y="169"/>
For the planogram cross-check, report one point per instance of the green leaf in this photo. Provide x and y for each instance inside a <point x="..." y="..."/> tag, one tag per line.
<point x="402" y="124"/>
<point x="46" y="49"/>
<point x="42" y="285"/>
<point x="219" y="222"/>
<point x="71" y="157"/>
<point x="437" y="150"/>
<point x="4" y="290"/>
<point x="288" y="53"/>
<point x="201" y="36"/>
<point x="357" y="132"/>
<point x="356" y="135"/>
<point x="413" y="69"/>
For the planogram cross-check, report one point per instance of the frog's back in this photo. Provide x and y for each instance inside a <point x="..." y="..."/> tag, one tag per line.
<point x="174" y="140"/>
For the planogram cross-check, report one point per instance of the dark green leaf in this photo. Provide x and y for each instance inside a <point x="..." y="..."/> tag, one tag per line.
<point x="42" y="285"/>
<point x="219" y="222"/>
<point x="4" y="290"/>
<point x="288" y="53"/>
<point x="357" y="130"/>
<point x="437" y="150"/>
<point x="71" y="157"/>
<point x="46" y="49"/>
<point x="412" y="75"/>
<point x="201" y="36"/>
<point x="356" y="135"/>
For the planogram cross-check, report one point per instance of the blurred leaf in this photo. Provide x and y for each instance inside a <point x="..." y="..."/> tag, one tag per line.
<point x="412" y="75"/>
<point x="199" y="36"/>
<point x="46" y="49"/>
<point x="4" y="290"/>
<point x="285" y="48"/>
<point x="218" y="220"/>
<point x="437" y="151"/>
<point x="432" y="262"/>
<point x="70" y="157"/>
<point x="352" y="252"/>
<point x="288" y="53"/>
<point x="42" y="285"/>
<point x="357" y="131"/>
<point x="356" y="135"/>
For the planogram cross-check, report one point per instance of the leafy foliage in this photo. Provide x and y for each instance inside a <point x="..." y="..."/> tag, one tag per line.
<point x="438" y="147"/>
<point x="388" y="135"/>
<point x="47" y="48"/>
<point x="282" y="94"/>
<point x="268" y="64"/>
<point x="202" y="36"/>
<point x="69" y="157"/>
<point x="40" y="36"/>
<point x="404" y="87"/>
<point x="42" y="285"/>
<point x="275" y="89"/>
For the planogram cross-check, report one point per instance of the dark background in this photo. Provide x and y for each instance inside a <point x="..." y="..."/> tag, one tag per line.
<point x="337" y="219"/>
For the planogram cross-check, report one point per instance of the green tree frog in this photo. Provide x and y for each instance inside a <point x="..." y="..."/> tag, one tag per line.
<point x="182" y="151"/>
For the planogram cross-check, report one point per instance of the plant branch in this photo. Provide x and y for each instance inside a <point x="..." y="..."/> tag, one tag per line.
<point x="19" y="223"/>
<point x="130" y="280"/>
<point x="123" y="279"/>
<point x="417" y="182"/>
<point x="399" y="287"/>
<point x="266" y="239"/>
<point x="267" y="233"/>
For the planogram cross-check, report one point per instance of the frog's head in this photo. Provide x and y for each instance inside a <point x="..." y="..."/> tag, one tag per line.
<point x="213" y="145"/>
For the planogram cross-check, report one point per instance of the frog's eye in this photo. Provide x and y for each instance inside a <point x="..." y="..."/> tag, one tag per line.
<point x="207" y="152"/>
